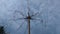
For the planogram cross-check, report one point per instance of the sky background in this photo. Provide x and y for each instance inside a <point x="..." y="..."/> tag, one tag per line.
<point x="48" y="11"/>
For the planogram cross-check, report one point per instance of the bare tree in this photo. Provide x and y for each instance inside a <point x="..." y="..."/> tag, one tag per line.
<point x="28" y="18"/>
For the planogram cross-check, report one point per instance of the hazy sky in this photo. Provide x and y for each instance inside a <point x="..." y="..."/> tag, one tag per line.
<point x="49" y="12"/>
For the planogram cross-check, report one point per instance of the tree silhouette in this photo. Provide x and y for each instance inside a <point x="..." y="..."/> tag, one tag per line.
<point x="28" y="18"/>
<point x="2" y="30"/>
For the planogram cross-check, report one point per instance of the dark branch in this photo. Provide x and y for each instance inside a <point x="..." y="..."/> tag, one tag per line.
<point x="20" y="26"/>
<point x="28" y="7"/>
<point x="20" y="13"/>
<point x="35" y="19"/>
<point x="28" y="14"/>
<point x="19" y="19"/>
<point x="35" y="14"/>
<point x="38" y="13"/>
<point x="41" y="22"/>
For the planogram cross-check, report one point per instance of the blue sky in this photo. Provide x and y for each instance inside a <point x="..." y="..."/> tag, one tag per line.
<point x="49" y="12"/>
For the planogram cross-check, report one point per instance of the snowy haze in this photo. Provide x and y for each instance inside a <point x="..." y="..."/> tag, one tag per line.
<point x="49" y="13"/>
